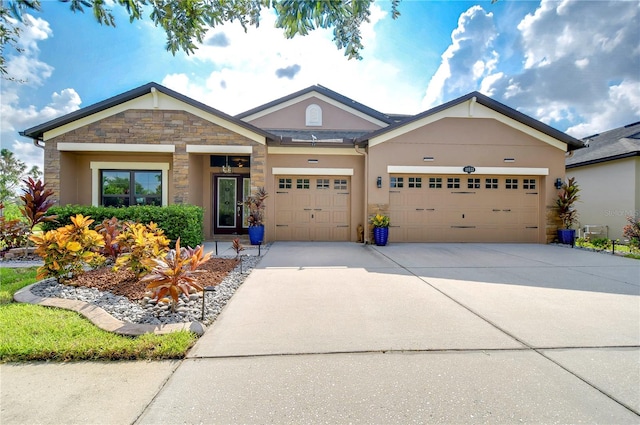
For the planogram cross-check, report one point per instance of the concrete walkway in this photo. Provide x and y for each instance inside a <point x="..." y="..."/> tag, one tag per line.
<point x="408" y="333"/>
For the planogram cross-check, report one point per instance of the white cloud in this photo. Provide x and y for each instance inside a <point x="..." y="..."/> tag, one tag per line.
<point x="467" y="61"/>
<point x="244" y="68"/>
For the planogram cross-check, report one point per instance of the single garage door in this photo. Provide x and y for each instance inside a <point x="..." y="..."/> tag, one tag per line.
<point x="463" y="208"/>
<point x="312" y="208"/>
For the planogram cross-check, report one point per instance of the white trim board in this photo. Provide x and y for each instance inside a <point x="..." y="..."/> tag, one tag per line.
<point x="425" y="169"/>
<point x="115" y="147"/>
<point x="220" y="149"/>
<point x="278" y="171"/>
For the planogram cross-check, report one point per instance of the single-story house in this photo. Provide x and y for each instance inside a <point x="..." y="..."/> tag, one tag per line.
<point x="608" y="173"/>
<point x="470" y="170"/>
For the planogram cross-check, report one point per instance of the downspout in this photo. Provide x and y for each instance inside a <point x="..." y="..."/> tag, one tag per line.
<point x="365" y="237"/>
<point x="36" y="143"/>
<point x="471" y="105"/>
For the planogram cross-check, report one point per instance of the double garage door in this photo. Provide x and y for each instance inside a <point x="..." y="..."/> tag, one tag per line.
<point x="464" y="208"/>
<point x="312" y="208"/>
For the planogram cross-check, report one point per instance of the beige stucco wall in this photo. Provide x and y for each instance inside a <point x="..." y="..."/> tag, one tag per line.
<point x="333" y="118"/>
<point x="68" y="174"/>
<point x="610" y="191"/>
<point x="349" y="160"/>
<point x="457" y="142"/>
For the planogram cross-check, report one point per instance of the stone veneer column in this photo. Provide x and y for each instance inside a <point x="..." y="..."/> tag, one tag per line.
<point x="52" y="169"/>
<point x="180" y="170"/>
<point x="258" y="166"/>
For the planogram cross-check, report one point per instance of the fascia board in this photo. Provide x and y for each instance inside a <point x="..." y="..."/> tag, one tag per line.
<point x="115" y="147"/>
<point x="279" y="150"/>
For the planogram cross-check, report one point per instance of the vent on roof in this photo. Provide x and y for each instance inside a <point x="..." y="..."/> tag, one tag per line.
<point x="634" y="136"/>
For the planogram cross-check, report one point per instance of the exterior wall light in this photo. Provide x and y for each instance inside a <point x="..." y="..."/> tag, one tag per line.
<point x="558" y="183"/>
<point x="379" y="182"/>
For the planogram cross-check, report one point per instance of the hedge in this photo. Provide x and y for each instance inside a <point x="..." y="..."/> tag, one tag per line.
<point x="177" y="221"/>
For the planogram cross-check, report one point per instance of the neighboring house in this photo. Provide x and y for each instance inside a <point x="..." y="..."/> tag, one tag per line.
<point x="471" y="170"/>
<point x="608" y="173"/>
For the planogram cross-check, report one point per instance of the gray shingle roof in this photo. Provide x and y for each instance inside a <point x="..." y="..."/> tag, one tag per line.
<point x="622" y="142"/>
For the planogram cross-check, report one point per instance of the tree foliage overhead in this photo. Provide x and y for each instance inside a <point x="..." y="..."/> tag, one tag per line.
<point x="187" y="21"/>
<point x="12" y="171"/>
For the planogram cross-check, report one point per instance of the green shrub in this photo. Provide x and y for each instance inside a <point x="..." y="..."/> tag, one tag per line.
<point x="601" y="243"/>
<point x="177" y="221"/>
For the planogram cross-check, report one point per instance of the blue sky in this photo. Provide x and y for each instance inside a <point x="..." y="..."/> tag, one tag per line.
<point x="573" y="64"/>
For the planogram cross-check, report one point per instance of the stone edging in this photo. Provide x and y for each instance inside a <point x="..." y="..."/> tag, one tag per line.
<point x="102" y="319"/>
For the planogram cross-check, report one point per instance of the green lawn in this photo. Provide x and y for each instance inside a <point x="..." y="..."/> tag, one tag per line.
<point x="31" y="332"/>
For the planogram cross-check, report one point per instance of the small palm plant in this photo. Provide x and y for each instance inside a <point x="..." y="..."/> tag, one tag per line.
<point x="237" y="247"/>
<point x="565" y="202"/>
<point x="176" y="273"/>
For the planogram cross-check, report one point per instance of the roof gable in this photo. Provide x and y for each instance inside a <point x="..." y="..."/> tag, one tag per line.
<point x="324" y="94"/>
<point x="149" y="96"/>
<point x="618" y="143"/>
<point x="477" y="105"/>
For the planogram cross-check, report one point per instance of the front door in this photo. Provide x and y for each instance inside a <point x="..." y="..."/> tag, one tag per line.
<point x="229" y="215"/>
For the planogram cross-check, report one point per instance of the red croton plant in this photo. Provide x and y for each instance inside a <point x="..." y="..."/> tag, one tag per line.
<point x="176" y="273"/>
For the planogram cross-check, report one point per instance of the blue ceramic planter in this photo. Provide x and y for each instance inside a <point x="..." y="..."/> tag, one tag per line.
<point x="256" y="234"/>
<point x="566" y="236"/>
<point x="380" y="235"/>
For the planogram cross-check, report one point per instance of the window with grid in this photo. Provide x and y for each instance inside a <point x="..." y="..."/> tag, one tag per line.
<point x="302" y="184"/>
<point x="453" y="183"/>
<point x="490" y="183"/>
<point x="529" y="184"/>
<point x="511" y="184"/>
<point x="415" y="182"/>
<point x="396" y="182"/>
<point x="284" y="183"/>
<point x="122" y="188"/>
<point x="435" y="182"/>
<point x="322" y="184"/>
<point x="340" y="184"/>
<point x="473" y="183"/>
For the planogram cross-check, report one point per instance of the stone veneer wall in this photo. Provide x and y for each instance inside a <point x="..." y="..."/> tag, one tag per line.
<point x="161" y="127"/>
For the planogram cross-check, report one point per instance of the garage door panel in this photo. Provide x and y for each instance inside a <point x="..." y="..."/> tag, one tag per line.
<point x="466" y="209"/>
<point x="313" y="208"/>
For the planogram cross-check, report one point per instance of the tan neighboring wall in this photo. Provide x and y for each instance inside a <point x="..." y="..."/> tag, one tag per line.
<point x="609" y="193"/>
<point x="71" y="171"/>
<point x="457" y="142"/>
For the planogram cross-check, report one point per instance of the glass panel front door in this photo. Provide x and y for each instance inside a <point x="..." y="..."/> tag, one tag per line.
<point x="230" y="216"/>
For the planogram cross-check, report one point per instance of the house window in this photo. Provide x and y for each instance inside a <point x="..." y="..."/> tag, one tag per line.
<point x="415" y="182"/>
<point x="435" y="182"/>
<point x="396" y="182"/>
<point x="122" y="188"/>
<point x="302" y="184"/>
<point x="313" y="116"/>
<point x="511" y="184"/>
<point x="491" y="183"/>
<point x="529" y="184"/>
<point x="340" y="184"/>
<point x="322" y="184"/>
<point x="453" y="183"/>
<point x="473" y="183"/>
<point x="284" y="183"/>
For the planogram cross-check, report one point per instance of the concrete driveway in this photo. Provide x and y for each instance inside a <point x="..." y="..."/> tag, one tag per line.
<point x="418" y="333"/>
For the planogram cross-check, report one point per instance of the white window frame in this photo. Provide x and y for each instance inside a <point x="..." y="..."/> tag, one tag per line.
<point x="97" y="166"/>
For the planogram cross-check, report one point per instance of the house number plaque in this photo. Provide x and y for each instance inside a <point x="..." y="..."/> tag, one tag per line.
<point x="469" y="169"/>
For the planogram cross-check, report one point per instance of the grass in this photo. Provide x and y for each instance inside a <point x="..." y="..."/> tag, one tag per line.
<point x="601" y="244"/>
<point x="31" y="332"/>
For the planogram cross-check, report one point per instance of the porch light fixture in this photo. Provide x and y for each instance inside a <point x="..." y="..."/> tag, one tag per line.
<point x="312" y="161"/>
<point x="558" y="183"/>
<point x="379" y="182"/>
<point x="509" y="160"/>
<point x="428" y="158"/>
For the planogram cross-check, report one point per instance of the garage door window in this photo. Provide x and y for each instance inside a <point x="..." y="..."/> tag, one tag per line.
<point x="302" y="184"/>
<point x="415" y="182"/>
<point x="511" y="184"/>
<point x="340" y="184"/>
<point x="529" y="184"/>
<point x="435" y="182"/>
<point x="453" y="183"/>
<point x="396" y="182"/>
<point x="284" y="184"/>
<point x="322" y="184"/>
<point x="473" y="183"/>
<point x="490" y="183"/>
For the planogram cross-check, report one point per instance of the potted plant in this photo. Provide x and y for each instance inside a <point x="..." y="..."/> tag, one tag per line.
<point x="255" y="204"/>
<point x="380" y="229"/>
<point x="565" y="205"/>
